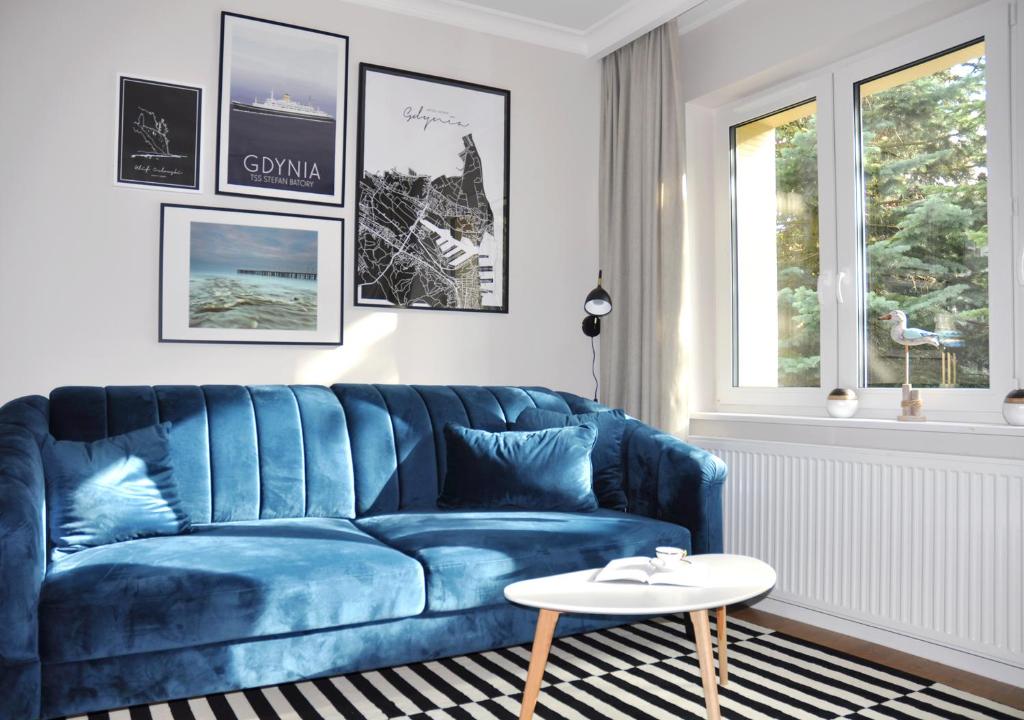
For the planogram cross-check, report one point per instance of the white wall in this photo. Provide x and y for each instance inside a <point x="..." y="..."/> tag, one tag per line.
<point x="759" y="42"/>
<point x="79" y="256"/>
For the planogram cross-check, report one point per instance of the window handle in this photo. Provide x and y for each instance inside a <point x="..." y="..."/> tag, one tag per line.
<point x="839" y="287"/>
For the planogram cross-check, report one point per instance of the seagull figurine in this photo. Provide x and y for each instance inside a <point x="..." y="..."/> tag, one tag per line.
<point x="906" y="337"/>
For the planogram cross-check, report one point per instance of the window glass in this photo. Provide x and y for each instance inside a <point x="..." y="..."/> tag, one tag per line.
<point x="775" y="232"/>
<point x="924" y="227"/>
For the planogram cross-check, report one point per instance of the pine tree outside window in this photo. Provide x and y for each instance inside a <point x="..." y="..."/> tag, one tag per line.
<point x="925" y="224"/>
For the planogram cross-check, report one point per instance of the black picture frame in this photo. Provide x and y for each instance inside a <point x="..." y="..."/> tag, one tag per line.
<point x="364" y="70"/>
<point x="159" y="134"/>
<point x="163" y="335"/>
<point x="223" y="184"/>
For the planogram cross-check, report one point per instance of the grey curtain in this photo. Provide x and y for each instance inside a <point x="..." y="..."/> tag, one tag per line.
<point x="641" y="220"/>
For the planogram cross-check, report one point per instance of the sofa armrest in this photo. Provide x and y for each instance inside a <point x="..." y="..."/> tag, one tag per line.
<point x="23" y="424"/>
<point x="670" y="480"/>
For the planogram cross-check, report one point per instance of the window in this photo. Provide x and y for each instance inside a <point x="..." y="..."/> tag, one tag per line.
<point x="925" y="221"/>
<point x="878" y="184"/>
<point x="775" y="230"/>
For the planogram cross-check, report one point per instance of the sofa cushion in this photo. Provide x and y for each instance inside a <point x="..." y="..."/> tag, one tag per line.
<point x="227" y="581"/>
<point x="542" y="470"/>
<point x="607" y="455"/>
<point x="110" y="490"/>
<point x="470" y="556"/>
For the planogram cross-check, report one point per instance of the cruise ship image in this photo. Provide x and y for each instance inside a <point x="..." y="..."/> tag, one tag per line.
<point x="283" y="107"/>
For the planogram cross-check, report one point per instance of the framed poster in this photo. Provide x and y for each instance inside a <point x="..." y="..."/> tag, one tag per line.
<point x="432" y="193"/>
<point x="158" y="128"/>
<point x="244" y="276"/>
<point x="281" y="120"/>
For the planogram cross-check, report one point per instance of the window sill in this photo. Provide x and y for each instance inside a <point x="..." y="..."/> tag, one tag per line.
<point x="863" y="423"/>
<point x="979" y="439"/>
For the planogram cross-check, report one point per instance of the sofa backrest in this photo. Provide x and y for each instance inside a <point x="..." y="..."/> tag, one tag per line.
<point x="279" y="451"/>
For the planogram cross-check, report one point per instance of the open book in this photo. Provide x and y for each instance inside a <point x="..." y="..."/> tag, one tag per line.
<point x="644" y="570"/>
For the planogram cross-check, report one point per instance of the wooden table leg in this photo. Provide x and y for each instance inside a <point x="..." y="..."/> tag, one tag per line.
<point x="702" y="633"/>
<point x="723" y="658"/>
<point x="546" y="622"/>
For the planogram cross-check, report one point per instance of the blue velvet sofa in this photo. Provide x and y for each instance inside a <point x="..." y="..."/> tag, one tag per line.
<point x="317" y="546"/>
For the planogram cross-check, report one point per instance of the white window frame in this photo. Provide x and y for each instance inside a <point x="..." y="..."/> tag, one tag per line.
<point x="841" y="258"/>
<point x="818" y="88"/>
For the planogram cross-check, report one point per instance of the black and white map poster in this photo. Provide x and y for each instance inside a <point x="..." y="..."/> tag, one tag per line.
<point x="281" y="120"/>
<point x="158" y="134"/>
<point x="432" y="215"/>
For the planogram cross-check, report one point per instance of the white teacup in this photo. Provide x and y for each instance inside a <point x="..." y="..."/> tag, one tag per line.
<point x="669" y="556"/>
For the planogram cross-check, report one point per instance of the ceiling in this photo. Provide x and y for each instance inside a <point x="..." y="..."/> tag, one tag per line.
<point x="587" y="27"/>
<point x="577" y="15"/>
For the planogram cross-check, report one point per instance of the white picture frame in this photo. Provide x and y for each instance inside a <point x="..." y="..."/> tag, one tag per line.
<point x="248" y="276"/>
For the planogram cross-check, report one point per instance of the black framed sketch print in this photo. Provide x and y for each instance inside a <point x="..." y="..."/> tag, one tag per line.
<point x="158" y="134"/>
<point x="282" y="108"/>
<point x="245" y="276"/>
<point x="432" y="193"/>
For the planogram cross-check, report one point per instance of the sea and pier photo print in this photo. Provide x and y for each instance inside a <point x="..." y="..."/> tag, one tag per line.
<point x="282" y="109"/>
<point x="241" y="276"/>
<point x="248" y="276"/>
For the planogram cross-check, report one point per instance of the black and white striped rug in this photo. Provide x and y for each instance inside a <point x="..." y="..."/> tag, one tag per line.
<point x="642" y="671"/>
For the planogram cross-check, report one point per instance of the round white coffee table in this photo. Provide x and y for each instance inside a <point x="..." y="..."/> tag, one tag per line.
<point x="731" y="579"/>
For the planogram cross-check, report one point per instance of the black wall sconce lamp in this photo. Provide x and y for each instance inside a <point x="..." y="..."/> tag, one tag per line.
<point x="596" y="306"/>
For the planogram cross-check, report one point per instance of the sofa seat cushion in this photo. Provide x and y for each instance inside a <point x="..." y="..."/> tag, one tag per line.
<point x="470" y="556"/>
<point x="226" y="581"/>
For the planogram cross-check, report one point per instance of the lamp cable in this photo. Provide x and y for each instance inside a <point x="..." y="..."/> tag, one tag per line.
<point x="593" y="365"/>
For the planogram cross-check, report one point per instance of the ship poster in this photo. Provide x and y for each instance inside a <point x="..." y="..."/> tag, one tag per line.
<point x="243" y="276"/>
<point x="432" y="198"/>
<point x="282" y="111"/>
<point x="158" y="132"/>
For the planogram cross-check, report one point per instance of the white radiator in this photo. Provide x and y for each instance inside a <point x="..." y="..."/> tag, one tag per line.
<point x="928" y="546"/>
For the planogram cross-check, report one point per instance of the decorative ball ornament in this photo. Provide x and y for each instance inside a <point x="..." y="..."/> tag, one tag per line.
<point x="842" y="403"/>
<point x="1013" y="407"/>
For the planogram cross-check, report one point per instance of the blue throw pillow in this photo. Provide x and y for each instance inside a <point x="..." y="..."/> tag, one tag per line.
<point x="542" y="470"/>
<point x="607" y="456"/>
<point x="111" y="490"/>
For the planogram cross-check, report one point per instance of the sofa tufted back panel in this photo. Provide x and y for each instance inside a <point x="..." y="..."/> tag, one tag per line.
<point x="278" y="451"/>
